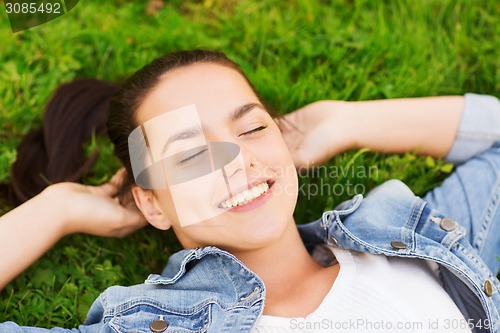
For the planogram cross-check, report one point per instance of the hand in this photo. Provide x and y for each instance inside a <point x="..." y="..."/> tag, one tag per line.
<point x="316" y="132"/>
<point x="96" y="210"/>
<point x="28" y="231"/>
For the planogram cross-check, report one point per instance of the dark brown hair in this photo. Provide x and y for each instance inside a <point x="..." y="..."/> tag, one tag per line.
<point x="54" y="152"/>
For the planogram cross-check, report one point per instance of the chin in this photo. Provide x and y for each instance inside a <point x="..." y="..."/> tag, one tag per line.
<point x="268" y="231"/>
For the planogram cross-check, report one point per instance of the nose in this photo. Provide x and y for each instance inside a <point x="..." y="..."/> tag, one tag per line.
<point x="242" y="162"/>
<point x="236" y="172"/>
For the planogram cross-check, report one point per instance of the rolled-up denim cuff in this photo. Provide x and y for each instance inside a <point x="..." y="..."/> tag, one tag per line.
<point x="479" y="128"/>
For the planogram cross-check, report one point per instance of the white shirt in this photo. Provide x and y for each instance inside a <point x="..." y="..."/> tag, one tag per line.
<point x="375" y="293"/>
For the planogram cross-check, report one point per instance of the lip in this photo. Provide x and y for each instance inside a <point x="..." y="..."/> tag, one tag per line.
<point x="256" y="202"/>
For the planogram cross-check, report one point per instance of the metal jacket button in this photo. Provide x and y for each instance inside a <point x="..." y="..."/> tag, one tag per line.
<point x="158" y="326"/>
<point x="398" y="245"/>
<point x="488" y="289"/>
<point x="448" y="224"/>
<point x="334" y="241"/>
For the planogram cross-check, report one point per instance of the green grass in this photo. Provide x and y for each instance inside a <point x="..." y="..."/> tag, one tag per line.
<point x="294" y="52"/>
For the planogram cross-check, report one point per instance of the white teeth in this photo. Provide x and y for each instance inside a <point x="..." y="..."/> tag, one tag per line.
<point x="245" y="196"/>
<point x="256" y="191"/>
<point x="248" y="195"/>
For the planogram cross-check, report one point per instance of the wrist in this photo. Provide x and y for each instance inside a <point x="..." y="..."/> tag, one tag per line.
<point x="53" y="202"/>
<point x="355" y="125"/>
<point x="343" y="121"/>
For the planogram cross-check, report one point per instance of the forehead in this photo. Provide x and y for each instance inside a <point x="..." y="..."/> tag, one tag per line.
<point x="213" y="88"/>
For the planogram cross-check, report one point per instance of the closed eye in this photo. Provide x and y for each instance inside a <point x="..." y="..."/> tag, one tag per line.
<point x="187" y="159"/>
<point x="255" y="130"/>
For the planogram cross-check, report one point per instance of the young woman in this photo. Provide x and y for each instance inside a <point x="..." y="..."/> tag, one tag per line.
<point x="390" y="262"/>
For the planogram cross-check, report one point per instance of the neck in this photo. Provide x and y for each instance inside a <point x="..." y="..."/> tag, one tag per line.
<point x="284" y="266"/>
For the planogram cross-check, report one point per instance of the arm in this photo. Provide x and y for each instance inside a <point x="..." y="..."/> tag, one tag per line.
<point x="399" y="125"/>
<point x="26" y="233"/>
<point x="428" y="124"/>
<point x="29" y="230"/>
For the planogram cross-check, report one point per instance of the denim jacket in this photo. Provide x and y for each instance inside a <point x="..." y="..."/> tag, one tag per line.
<point x="456" y="226"/>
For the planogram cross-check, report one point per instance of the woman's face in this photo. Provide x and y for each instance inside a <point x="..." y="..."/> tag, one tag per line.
<point x="231" y="180"/>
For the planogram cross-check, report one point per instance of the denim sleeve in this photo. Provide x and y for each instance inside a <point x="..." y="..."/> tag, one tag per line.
<point x="471" y="196"/>
<point x="479" y="127"/>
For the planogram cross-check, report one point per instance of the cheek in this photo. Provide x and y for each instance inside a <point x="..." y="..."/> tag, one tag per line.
<point x="278" y="158"/>
<point x="278" y="164"/>
<point x="164" y="198"/>
<point x="196" y="200"/>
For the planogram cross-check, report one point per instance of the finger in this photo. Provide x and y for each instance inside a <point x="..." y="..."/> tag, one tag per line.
<point x="119" y="177"/>
<point x="127" y="200"/>
<point x="301" y="159"/>
<point x="132" y="212"/>
<point x="135" y="221"/>
<point x="129" y="230"/>
<point x="112" y="186"/>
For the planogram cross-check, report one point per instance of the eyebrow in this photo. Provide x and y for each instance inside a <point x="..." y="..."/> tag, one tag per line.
<point x="188" y="133"/>
<point x="194" y="131"/>
<point x="241" y="111"/>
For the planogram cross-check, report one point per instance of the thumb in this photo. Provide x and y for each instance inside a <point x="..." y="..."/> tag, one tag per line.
<point x="112" y="186"/>
<point x="313" y="150"/>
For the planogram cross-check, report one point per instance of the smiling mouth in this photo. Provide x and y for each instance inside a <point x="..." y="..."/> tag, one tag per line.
<point x="247" y="196"/>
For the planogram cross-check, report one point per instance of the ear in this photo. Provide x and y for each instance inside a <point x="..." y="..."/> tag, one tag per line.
<point x="150" y="208"/>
